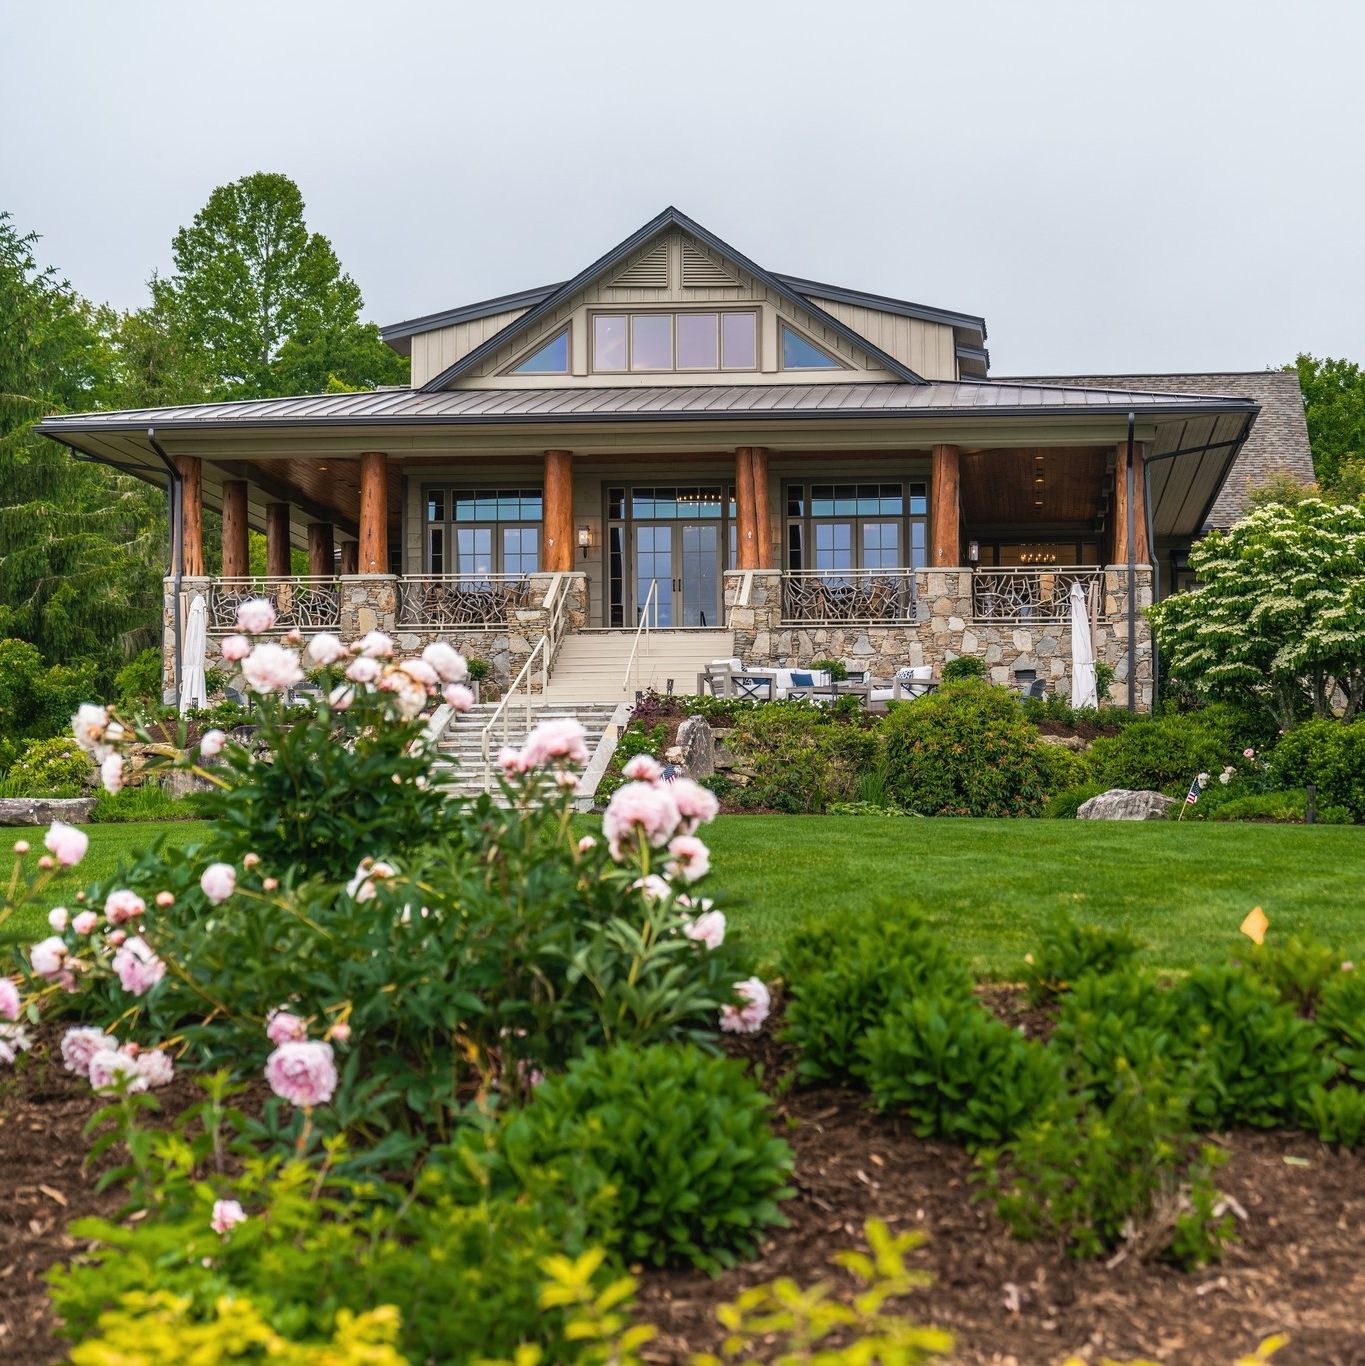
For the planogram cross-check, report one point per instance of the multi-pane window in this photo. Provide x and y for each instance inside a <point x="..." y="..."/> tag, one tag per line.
<point x="833" y="527"/>
<point x="662" y="341"/>
<point x="477" y="532"/>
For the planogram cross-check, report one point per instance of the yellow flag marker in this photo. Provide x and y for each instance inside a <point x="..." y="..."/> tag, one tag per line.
<point x="1255" y="925"/>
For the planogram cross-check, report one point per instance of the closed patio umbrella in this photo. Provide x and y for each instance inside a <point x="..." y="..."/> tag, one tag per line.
<point x="193" y="688"/>
<point x="1083" y="692"/>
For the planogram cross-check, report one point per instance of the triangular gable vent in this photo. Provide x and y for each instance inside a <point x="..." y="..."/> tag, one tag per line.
<point x="699" y="271"/>
<point x="649" y="272"/>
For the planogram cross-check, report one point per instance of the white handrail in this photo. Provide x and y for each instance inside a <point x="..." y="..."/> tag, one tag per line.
<point x="544" y="650"/>
<point x="651" y="599"/>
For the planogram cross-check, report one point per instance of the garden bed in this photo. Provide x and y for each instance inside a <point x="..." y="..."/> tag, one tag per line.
<point x="1296" y="1269"/>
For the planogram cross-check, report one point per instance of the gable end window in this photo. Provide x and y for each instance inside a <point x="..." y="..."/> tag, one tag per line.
<point x="639" y="343"/>
<point x="550" y="359"/>
<point x="799" y="353"/>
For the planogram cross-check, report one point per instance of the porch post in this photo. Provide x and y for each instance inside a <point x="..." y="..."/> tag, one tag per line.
<point x="321" y="556"/>
<point x="558" y="533"/>
<point x="277" y="540"/>
<point x="945" y="527"/>
<point x="350" y="558"/>
<point x="758" y="470"/>
<point x="236" y="554"/>
<point x="374" y="513"/>
<point x="1142" y="550"/>
<point x="191" y="469"/>
<point x="745" y="518"/>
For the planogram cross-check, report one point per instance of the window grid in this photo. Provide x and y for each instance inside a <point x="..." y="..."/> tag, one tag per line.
<point x="482" y="531"/>
<point x="634" y="343"/>
<point x="868" y="525"/>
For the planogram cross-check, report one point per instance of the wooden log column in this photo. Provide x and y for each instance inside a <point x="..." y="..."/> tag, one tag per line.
<point x="374" y="513"/>
<point x="236" y="550"/>
<point x="277" y="540"/>
<point x="321" y="550"/>
<point x="191" y="469"/>
<point x="350" y="558"/>
<point x="746" y="521"/>
<point x="763" y="536"/>
<point x="945" y="518"/>
<point x="558" y="513"/>
<point x="1142" y="550"/>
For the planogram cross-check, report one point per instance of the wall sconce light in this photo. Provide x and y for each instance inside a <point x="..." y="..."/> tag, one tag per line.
<point x="973" y="553"/>
<point x="585" y="539"/>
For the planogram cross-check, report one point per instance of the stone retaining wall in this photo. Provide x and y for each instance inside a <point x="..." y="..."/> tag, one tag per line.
<point x="943" y="630"/>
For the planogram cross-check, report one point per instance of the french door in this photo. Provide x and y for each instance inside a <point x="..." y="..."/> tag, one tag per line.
<point x="683" y="559"/>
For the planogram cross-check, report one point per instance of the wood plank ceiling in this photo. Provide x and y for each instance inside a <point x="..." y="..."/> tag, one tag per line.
<point x="1034" y="486"/>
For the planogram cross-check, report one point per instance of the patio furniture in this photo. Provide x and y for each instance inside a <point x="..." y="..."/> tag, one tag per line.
<point x="1038" y="688"/>
<point x="753" y="687"/>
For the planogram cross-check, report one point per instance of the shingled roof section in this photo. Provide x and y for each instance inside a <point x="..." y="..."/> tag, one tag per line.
<point x="1279" y="439"/>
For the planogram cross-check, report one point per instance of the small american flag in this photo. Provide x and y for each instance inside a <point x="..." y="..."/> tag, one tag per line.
<point x="1192" y="795"/>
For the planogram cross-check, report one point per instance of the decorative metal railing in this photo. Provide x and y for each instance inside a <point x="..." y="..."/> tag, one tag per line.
<point x="1031" y="595"/>
<point x="462" y="600"/>
<point x="848" y="595"/>
<point x="308" y="603"/>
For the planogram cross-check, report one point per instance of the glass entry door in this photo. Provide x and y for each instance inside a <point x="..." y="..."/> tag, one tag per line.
<point x="684" y="560"/>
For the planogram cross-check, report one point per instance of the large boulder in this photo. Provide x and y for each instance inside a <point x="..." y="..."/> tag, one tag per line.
<point x="1120" y="804"/>
<point x="45" y="810"/>
<point x="698" y="747"/>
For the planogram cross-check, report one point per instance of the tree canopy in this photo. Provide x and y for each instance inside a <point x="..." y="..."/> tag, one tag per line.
<point x="1334" y="406"/>
<point x="1279" y="614"/>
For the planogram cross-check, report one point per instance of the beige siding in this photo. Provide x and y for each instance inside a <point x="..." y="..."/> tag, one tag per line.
<point x="929" y="349"/>
<point x="433" y="351"/>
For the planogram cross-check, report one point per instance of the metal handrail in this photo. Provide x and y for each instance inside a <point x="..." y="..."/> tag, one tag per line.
<point x="544" y="651"/>
<point x="651" y="599"/>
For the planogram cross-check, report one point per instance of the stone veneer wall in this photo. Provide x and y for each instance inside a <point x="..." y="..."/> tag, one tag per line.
<point x="944" y="629"/>
<point x="369" y="602"/>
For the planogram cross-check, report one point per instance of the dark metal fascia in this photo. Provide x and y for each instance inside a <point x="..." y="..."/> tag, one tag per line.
<point x="884" y="303"/>
<point x="467" y="313"/>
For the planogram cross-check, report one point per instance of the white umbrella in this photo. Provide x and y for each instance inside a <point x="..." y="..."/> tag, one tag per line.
<point x="193" y="688"/>
<point x="1083" y="693"/>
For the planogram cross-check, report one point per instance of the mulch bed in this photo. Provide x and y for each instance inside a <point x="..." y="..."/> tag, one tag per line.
<point x="1298" y="1269"/>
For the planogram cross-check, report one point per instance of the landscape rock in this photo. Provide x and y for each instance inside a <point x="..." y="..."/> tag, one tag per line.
<point x="45" y="810"/>
<point x="698" y="746"/>
<point x="1120" y="804"/>
<point x="1072" y="742"/>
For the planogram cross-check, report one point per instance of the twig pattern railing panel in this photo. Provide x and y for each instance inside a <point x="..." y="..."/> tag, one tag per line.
<point x="462" y="600"/>
<point x="309" y="604"/>
<point x="1029" y="595"/>
<point x="849" y="595"/>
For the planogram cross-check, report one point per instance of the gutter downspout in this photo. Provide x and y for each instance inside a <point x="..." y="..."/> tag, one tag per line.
<point x="1132" y="571"/>
<point x="174" y="491"/>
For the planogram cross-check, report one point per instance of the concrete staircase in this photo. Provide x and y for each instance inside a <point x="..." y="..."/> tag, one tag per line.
<point x="591" y="665"/>
<point x="460" y="765"/>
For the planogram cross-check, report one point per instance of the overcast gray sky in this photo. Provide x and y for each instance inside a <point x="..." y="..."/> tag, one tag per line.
<point x="1114" y="186"/>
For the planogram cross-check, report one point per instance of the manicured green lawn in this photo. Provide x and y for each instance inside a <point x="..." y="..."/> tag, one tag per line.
<point x="989" y="885"/>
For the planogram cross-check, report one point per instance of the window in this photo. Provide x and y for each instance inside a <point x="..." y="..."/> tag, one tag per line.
<point x="833" y="527"/>
<point x="644" y="342"/>
<point x="476" y="532"/>
<point x="800" y="354"/>
<point x="551" y="359"/>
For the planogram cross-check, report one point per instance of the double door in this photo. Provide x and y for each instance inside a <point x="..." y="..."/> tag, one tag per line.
<point x="683" y="559"/>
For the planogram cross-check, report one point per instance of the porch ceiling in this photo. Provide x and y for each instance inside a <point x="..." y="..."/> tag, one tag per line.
<point x="1000" y="488"/>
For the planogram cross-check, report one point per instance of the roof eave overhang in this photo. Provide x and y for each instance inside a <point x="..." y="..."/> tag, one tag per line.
<point x="400" y="335"/>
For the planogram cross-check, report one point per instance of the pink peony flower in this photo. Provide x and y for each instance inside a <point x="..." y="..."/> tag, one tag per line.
<point x="137" y="966"/>
<point x="85" y="922"/>
<point x="211" y="743"/>
<point x="511" y="761"/>
<point x="1248" y="754"/>
<point x="302" y="1073"/>
<point x="282" y="1026"/>
<point x="708" y="929"/>
<point x="361" y="885"/>
<point x="411" y="698"/>
<point x="748" y="1018"/>
<point x="691" y="858"/>
<point x="640" y="811"/>
<point x="325" y="649"/>
<point x="364" y="670"/>
<point x="47" y="956"/>
<point x="653" y="888"/>
<point x="81" y="1044"/>
<point x="457" y="696"/>
<point x="67" y="844"/>
<point x="14" y="1040"/>
<point x="111" y="773"/>
<point x="21" y="846"/>
<point x="340" y="1031"/>
<point x="155" y="1067"/>
<point x="448" y="662"/>
<point x="165" y="899"/>
<point x="697" y="805"/>
<point x="586" y="843"/>
<point x="121" y="905"/>
<point x="227" y="1214"/>
<point x="218" y="882"/>
<point x="340" y="699"/>
<point x="255" y="615"/>
<point x="644" y="768"/>
<point x="116" y="937"/>
<point x="9" y="999"/>
<point x="57" y="918"/>
<point x="89" y="726"/>
<point x="109" y="1064"/>
<point x="559" y="740"/>
<point x="376" y="645"/>
<point x="234" y="648"/>
<point x="420" y="672"/>
<point x="250" y="860"/>
<point x="271" y="668"/>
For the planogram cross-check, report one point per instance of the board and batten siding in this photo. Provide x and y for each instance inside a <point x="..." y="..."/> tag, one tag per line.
<point x="929" y="349"/>
<point x="434" y="351"/>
